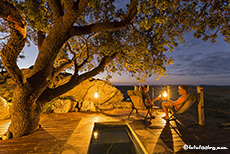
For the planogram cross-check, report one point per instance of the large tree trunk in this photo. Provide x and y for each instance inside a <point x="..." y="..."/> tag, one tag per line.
<point x="25" y="113"/>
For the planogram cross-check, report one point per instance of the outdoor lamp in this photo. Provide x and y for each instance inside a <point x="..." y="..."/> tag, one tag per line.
<point x="96" y="95"/>
<point x="95" y="134"/>
<point x="164" y="94"/>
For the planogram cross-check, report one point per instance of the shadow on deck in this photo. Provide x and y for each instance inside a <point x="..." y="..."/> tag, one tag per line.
<point x="158" y="137"/>
<point x="176" y="137"/>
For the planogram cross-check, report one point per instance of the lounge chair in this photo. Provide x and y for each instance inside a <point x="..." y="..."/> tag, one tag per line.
<point x="189" y="101"/>
<point x="138" y="104"/>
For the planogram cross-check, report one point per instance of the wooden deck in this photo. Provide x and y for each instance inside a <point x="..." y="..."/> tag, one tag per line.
<point x="176" y="136"/>
<point x="57" y="129"/>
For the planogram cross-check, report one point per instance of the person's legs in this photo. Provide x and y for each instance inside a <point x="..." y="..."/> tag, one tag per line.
<point x="166" y="106"/>
<point x="150" y="107"/>
<point x="172" y="114"/>
<point x="151" y="111"/>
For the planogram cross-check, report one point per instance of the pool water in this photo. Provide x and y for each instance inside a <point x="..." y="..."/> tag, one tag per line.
<point x="110" y="138"/>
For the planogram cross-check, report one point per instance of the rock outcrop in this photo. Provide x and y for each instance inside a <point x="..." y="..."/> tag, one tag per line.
<point x="4" y="109"/>
<point x="108" y="96"/>
<point x="82" y="96"/>
<point x="63" y="106"/>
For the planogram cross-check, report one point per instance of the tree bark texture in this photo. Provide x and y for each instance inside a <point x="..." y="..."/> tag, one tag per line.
<point x="25" y="112"/>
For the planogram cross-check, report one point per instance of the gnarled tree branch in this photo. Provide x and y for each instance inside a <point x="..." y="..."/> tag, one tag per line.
<point x="62" y="67"/>
<point x="50" y="94"/>
<point x="75" y="8"/>
<point x="14" y="46"/>
<point x="41" y="38"/>
<point x="56" y="8"/>
<point x="106" y="26"/>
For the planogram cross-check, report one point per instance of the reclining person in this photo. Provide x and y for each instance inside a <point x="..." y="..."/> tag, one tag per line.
<point x="146" y="99"/>
<point x="169" y="104"/>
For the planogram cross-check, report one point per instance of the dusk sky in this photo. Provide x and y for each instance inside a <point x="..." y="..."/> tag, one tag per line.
<point x="195" y="63"/>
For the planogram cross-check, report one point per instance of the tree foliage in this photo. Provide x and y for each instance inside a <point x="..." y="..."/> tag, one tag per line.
<point x="157" y="27"/>
<point x="93" y="36"/>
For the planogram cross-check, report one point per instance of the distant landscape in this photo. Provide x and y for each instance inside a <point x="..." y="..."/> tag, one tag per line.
<point x="216" y="100"/>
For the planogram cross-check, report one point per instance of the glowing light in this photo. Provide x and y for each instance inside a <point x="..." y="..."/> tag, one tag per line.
<point x="165" y="94"/>
<point x="95" y="134"/>
<point x="96" y="95"/>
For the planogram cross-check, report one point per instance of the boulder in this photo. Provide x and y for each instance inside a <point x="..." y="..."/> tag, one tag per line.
<point x="4" y="109"/>
<point x="108" y="95"/>
<point x="88" y="106"/>
<point x="63" y="105"/>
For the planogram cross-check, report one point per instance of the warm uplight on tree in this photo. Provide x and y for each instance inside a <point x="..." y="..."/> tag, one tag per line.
<point x="96" y="95"/>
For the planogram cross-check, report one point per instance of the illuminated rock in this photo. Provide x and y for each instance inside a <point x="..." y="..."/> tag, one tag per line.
<point x="4" y="109"/>
<point x="63" y="105"/>
<point x="108" y="96"/>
